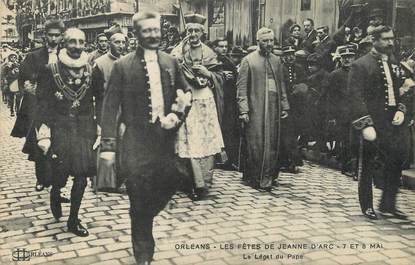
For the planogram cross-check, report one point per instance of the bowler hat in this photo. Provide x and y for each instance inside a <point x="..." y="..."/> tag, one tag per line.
<point x="314" y="58"/>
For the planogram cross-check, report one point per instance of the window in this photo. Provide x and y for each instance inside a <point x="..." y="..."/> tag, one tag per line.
<point x="305" y="5"/>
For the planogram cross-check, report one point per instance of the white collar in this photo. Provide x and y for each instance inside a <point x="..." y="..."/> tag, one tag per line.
<point x="70" y="62"/>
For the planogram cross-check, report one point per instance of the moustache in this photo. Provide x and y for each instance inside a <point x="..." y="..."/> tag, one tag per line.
<point x="152" y="40"/>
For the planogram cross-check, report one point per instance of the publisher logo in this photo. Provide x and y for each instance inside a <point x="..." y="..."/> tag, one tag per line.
<point x="21" y="254"/>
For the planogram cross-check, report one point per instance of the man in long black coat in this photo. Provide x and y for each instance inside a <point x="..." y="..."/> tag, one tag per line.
<point x="145" y="84"/>
<point x="294" y="78"/>
<point x="29" y="72"/>
<point x="338" y="106"/>
<point x="377" y="110"/>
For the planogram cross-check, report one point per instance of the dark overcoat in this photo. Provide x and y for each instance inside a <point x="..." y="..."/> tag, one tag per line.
<point x="29" y="70"/>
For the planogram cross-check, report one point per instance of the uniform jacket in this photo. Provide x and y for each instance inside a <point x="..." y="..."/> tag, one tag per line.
<point x="369" y="93"/>
<point x="145" y="145"/>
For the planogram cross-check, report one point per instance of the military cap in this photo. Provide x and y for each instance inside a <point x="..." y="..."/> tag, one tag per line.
<point x="314" y="58"/>
<point x="288" y="49"/>
<point x="302" y="54"/>
<point x="347" y="50"/>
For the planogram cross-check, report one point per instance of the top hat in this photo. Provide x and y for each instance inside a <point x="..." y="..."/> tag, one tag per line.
<point x="194" y="18"/>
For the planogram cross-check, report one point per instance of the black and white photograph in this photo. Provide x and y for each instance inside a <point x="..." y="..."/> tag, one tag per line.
<point x="207" y="132"/>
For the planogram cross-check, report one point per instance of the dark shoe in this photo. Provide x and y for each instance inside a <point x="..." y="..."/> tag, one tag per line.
<point x="392" y="214"/>
<point x="78" y="229"/>
<point x="12" y="114"/>
<point x="370" y="213"/>
<point x="39" y="186"/>
<point x="56" y="209"/>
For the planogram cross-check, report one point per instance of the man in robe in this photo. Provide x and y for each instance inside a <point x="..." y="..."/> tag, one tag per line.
<point x="200" y="139"/>
<point x="144" y="85"/>
<point x="106" y="177"/>
<point x="66" y="128"/>
<point x="262" y="103"/>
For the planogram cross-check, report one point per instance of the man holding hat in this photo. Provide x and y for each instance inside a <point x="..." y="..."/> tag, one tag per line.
<point x="294" y="78"/>
<point x="338" y="107"/>
<point x="262" y="103"/>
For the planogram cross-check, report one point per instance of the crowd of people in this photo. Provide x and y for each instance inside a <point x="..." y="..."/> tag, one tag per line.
<point x="158" y="112"/>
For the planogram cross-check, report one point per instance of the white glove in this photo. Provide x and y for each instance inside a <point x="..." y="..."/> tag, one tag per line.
<point x="44" y="144"/>
<point x="398" y="118"/>
<point x="369" y="134"/>
<point x="108" y="158"/>
<point x="284" y="114"/>
<point x="98" y="140"/>
<point x="169" y="122"/>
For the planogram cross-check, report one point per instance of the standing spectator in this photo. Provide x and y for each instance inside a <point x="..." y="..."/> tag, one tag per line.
<point x="144" y="85"/>
<point x="11" y="72"/>
<point x="292" y="126"/>
<point x="338" y="107"/>
<point x="200" y="139"/>
<point x="262" y="104"/>
<point x="317" y="83"/>
<point x="310" y="35"/>
<point x="294" y="40"/>
<point x="377" y="111"/>
<point x="325" y="46"/>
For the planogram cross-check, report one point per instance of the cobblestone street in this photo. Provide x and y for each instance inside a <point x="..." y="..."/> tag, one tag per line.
<point x="317" y="208"/>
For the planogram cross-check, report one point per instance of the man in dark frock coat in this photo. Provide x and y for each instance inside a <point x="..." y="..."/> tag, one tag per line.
<point x="377" y="110"/>
<point x="145" y="84"/>
<point x="29" y="72"/>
